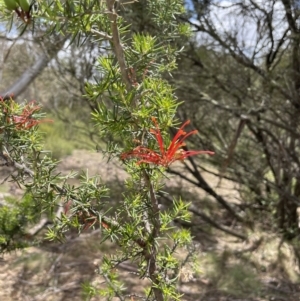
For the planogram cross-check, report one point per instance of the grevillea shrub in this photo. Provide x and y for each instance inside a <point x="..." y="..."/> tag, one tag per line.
<point x="134" y="108"/>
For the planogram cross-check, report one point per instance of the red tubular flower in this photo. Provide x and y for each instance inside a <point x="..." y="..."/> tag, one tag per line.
<point x="25" y="120"/>
<point x="166" y="156"/>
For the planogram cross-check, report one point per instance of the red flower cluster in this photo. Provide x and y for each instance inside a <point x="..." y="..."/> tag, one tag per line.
<point x="166" y="156"/>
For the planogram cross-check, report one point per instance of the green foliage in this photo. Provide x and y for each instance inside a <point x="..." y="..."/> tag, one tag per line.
<point x="89" y="291"/>
<point x="15" y="216"/>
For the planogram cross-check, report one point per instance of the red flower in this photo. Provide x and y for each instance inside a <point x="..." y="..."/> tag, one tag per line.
<point x="166" y="156"/>
<point x="25" y="120"/>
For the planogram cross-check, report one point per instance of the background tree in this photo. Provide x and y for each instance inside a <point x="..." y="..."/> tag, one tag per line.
<point x="132" y="104"/>
<point x="249" y="50"/>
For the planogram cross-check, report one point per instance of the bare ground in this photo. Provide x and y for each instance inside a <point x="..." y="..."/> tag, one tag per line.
<point x="228" y="269"/>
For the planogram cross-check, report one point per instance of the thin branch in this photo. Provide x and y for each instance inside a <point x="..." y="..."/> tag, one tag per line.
<point x="38" y="227"/>
<point x="200" y="182"/>
<point x="207" y="219"/>
<point x="192" y="208"/>
<point x="102" y="34"/>
<point x="29" y="75"/>
<point x="231" y="148"/>
<point x="240" y="57"/>
<point x="116" y="291"/>
<point x="118" y="48"/>
<point x="289" y="16"/>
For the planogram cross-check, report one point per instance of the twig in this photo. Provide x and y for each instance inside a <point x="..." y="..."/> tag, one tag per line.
<point x="37" y="228"/>
<point x="254" y="246"/>
<point x="118" y="48"/>
<point x="113" y="287"/>
<point x="205" y="186"/>
<point x="193" y="209"/>
<point x="22" y="83"/>
<point x="102" y="34"/>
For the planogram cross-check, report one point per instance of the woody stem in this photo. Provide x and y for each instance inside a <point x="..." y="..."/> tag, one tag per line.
<point x="151" y="251"/>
